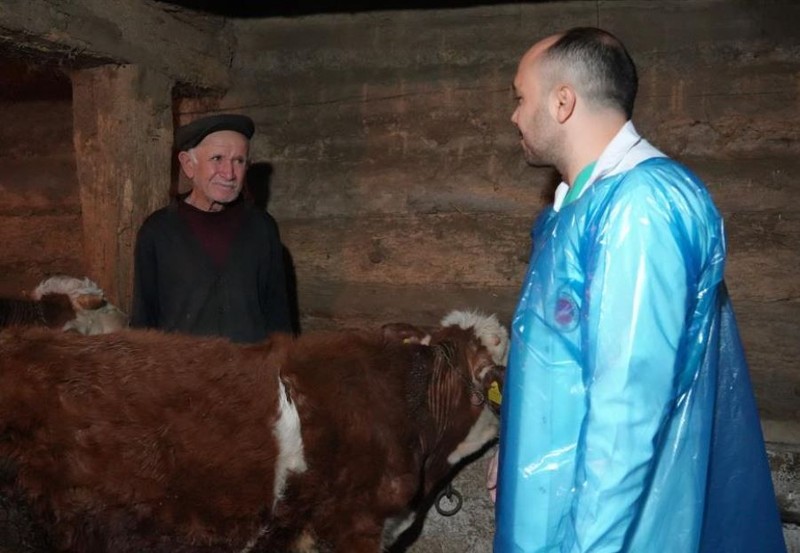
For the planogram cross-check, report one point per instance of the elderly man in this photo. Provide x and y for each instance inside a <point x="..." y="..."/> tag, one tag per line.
<point x="211" y="263"/>
<point x="628" y="422"/>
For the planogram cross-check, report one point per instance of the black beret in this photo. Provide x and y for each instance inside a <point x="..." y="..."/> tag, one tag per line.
<point x="190" y="135"/>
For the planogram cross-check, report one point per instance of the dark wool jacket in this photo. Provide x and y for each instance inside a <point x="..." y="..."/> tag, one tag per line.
<point x="178" y="288"/>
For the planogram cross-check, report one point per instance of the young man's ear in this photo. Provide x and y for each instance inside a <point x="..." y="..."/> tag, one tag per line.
<point x="187" y="163"/>
<point x="564" y="103"/>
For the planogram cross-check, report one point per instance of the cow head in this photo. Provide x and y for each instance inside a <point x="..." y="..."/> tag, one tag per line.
<point x="93" y="313"/>
<point x="469" y="349"/>
<point x="486" y="328"/>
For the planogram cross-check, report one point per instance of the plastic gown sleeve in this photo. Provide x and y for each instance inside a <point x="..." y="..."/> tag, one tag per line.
<point x="637" y="297"/>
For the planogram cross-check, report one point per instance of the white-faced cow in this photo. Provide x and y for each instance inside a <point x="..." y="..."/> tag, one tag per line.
<point x="66" y="303"/>
<point x="144" y="441"/>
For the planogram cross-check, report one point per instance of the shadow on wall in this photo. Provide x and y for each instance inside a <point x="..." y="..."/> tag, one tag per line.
<point x="258" y="180"/>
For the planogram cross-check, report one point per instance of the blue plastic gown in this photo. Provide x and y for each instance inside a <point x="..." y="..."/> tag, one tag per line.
<point x="628" y="419"/>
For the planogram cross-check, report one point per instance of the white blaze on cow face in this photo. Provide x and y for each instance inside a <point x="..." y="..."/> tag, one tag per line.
<point x="487" y="328"/>
<point x="290" y="443"/>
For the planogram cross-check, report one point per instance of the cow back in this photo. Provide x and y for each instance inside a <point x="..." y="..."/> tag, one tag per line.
<point x="361" y="410"/>
<point x="380" y="418"/>
<point x="141" y="433"/>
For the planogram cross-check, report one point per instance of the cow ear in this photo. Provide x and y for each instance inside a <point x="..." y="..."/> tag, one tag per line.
<point x="90" y="302"/>
<point x="405" y="333"/>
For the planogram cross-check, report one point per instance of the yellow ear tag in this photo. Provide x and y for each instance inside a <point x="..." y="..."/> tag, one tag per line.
<point x="494" y="393"/>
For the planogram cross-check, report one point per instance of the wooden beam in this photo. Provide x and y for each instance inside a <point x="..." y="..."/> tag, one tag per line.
<point x="123" y="139"/>
<point x="192" y="49"/>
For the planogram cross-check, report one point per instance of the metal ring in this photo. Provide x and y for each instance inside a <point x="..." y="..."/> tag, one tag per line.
<point x="449" y="493"/>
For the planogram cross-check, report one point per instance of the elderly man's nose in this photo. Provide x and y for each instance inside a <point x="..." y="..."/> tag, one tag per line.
<point x="226" y="169"/>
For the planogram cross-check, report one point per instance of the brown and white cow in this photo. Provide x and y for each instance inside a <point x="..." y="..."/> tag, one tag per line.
<point x="143" y="441"/>
<point x="64" y="302"/>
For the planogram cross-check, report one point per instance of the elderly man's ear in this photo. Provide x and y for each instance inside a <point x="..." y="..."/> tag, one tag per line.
<point x="187" y="163"/>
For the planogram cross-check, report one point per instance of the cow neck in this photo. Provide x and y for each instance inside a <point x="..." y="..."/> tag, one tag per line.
<point x="443" y="389"/>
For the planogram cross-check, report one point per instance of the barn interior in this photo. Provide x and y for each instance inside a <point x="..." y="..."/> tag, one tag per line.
<point x="384" y="151"/>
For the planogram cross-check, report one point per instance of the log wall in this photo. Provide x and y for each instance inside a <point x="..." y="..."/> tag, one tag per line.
<point x="40" y="215"/>
<point x="125" y="60"/>
<point x="400" y="190"/>
<point x="401" y="193"/>
<point x="385" y="152"/>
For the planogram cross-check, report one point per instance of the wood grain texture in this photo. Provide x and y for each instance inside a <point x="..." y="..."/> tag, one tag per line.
<point x="122" y="136"/>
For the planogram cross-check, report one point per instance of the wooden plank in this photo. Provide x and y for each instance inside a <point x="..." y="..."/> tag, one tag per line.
<point x="123" y="139"/>
<point x="51" y="237"/>
<point x="505" y="185"/>
<point x="38" y="246"/>
<point x="39" y="186"/>
<point x="491" y="249"/>
<point x="326" y="303"/>
<point x="423" y="186"/>
<point x="763" y="255"/>
<point x="417" y="41"/>
<point x="379" y="123"/>
<point x="680" y="113"/>
<point x="749" y="184"/>
<point x="190" y="48"/>
<point x="476" y="250"/>
<point x="36" y="129"/>
<point x="769" y="329"/>
<point x="770" y="333"/>
<point x="416" y="92"/>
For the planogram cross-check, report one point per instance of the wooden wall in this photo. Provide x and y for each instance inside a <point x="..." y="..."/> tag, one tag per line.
<point x="385" y="152"/>
<point x="40" y="215"/>
<point x="77" y="213"/>
<point x="400" y="190"/>
<point x="398" y="183"/>
<point x="390" y="163"/>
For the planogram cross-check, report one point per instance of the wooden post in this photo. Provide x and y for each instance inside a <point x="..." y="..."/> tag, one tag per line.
<point x="123" y="149"/>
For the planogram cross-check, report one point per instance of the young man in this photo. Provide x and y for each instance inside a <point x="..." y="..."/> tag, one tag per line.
<point x="628" y="423"/>
<point x="211" y="263"/>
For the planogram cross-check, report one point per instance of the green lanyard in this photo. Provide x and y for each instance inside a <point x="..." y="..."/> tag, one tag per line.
<point x="579" y="184"/>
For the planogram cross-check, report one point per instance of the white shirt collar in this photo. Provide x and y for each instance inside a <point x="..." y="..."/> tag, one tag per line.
<point x="625" y="151"/>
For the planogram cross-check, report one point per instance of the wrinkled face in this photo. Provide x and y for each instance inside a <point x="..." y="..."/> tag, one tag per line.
<point x="539" y="133"/>
<point x="217" y="169"/>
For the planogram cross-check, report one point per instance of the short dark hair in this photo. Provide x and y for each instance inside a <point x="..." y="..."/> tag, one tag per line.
<point x="605" y="70"/>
